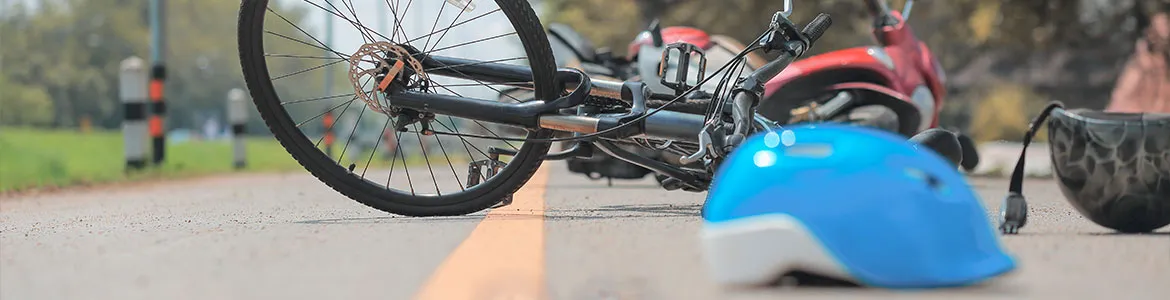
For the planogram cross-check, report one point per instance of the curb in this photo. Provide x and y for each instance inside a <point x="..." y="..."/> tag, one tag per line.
<point x="998" y="159"/>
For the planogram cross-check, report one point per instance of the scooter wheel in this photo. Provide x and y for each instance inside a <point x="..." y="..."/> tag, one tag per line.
<point x="876" y="116"/>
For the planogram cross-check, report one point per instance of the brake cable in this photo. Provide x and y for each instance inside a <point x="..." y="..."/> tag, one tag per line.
<point x="622" y="125"/>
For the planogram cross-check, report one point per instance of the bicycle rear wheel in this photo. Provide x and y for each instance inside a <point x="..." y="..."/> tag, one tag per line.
<point x="291" y="106"/>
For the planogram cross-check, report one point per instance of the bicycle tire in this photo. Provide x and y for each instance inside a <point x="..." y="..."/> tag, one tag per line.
<point x="488" y="193"/>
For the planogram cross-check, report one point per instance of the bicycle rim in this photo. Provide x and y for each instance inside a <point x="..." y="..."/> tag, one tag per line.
<point x="364" y="158"/>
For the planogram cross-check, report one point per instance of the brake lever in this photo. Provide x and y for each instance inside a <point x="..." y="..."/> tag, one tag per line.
<point x="704" y="143"/>
<point x="781" y="30"/>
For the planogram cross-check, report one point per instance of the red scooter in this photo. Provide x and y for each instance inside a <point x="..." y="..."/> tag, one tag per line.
<point x="896" y="85"/>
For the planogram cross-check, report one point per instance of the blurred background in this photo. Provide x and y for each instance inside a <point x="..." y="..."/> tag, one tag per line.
<point x="59" y="65"/>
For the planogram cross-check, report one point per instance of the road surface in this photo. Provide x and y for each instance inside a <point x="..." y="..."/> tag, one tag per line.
<point x="287" y="236"/>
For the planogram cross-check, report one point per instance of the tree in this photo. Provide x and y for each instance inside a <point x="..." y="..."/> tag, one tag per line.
<point x="70" y="50"/>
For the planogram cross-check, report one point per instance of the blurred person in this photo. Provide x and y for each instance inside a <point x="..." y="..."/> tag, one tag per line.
<point x="1144" y="84"/>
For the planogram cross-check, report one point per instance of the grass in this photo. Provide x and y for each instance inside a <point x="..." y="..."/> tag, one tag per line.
<point x="38" y="158"/>
<point x="42" y="158"/>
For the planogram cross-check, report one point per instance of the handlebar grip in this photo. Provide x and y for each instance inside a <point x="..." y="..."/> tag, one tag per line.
<point x="815" y="29"/>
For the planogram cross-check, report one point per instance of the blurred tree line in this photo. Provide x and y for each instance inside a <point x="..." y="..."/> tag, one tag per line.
<point x="1034" y="50"/>
<point x="59" y="59"/>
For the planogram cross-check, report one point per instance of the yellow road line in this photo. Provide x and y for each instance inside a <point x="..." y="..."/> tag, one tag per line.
<point x="503" y="258"/>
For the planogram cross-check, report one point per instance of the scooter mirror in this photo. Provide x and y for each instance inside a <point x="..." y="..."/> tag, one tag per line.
<point x="906" y="9"/>
<point x="787" y="11"/>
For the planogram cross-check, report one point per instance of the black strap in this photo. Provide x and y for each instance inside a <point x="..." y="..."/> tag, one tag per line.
<point x="1017" y="182"/>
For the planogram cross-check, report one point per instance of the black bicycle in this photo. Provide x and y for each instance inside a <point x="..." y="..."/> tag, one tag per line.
<point x="405" y="88"/>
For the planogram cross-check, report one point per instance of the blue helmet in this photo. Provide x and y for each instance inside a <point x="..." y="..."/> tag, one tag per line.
<point x="848" y="203"/>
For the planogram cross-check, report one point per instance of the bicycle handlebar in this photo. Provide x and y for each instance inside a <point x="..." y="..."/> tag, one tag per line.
<point x="681" y="126"/>
<point x="812" y="31"/>
<point x="794" y="48"/>
<point x="877" y="7"/>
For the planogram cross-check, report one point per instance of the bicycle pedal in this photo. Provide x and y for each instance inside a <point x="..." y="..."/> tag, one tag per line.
<point x="475" y="170"/>
<point x="473" y="173"/>
<point x="682" y="53"/>
<point x="671" y="184"/>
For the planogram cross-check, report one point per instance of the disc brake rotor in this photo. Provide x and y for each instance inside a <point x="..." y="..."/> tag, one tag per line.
<point x="392" y="67"/>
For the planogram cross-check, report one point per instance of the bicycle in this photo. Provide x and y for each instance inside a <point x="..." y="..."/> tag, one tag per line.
<point x="599" y="112"/>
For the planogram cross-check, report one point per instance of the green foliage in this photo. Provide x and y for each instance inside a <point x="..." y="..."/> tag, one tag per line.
<point x="1004" y="111"/>
<point x="31" y="158"/>
<point x="20" y="104"/>
<point x="69" y="52"/>
<point x="1057" y="48"/>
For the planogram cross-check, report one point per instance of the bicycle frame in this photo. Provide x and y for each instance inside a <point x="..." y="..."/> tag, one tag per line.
<point x="534" y="114"/>
<point x="712" y="135"/>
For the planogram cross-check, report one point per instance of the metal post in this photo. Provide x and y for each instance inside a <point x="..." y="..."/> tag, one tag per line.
<point x="328" y="45"/>
<point x="157" y="78"/>
<point x="237" y="112"/>
<point x="132" y="90"/>
<point x="328" y="122"/>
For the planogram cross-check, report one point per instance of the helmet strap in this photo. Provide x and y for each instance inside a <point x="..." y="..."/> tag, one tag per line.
<point x="1018" y="174"/>
<point x="1014" y="210"/>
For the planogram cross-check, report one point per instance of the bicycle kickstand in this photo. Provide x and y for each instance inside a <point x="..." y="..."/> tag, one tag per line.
<point x="476" y="170"/>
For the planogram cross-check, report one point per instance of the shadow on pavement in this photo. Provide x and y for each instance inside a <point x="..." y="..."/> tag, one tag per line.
<point x="1122" y="234"/>
<point x="602" y="185"/>
<point x="1113" y="234"/>
<point x="395" y="219"/>
<point x="602" y="212"/>
<point x="802" y="284"/>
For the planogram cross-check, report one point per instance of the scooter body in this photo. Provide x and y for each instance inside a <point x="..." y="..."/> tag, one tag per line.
<point x="899" y="72"/>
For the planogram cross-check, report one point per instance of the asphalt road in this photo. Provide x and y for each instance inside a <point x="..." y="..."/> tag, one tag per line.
<point x="290" y="237"/>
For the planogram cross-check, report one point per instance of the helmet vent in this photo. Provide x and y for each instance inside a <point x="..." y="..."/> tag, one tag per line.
<point x="931" y="181"/>
<point x="810" y="150"/>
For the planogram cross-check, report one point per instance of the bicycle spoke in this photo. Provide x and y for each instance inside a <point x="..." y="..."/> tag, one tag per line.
<point x="298" y="56"/>
<point x="351" y="100"/>
<point x="381" y="134"/>
<point x="381" y="47"/>
<point x="469" y="43"/>
<point x="453" y="26"/>
<point x="398" y="150"/>
<point x="365" y="33"/>
<point x="335" y="13"/>
<point x="461" y="11"/>
<point x="477" y="121"/>
<point x="326" y="47"/>
<point x="449" y="163"/>
<point x="339" y="55"/>
<point x="322" y="138"/>
<point x="465" y="143"/>
<point x="397" y="22"/>
<point x="318" y="98"/>
<point x="351" y="132"/>
<point x="441" y="7"/>
<point x="302" y="123"/>
<point x="427" y="158"/>
<point x="306" y="70"/>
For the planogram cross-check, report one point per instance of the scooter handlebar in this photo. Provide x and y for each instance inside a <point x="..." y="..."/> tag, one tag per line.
<point x="816" y="28"/>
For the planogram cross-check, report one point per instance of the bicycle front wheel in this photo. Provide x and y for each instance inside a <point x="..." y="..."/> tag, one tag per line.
<point x="347" y="132"/>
